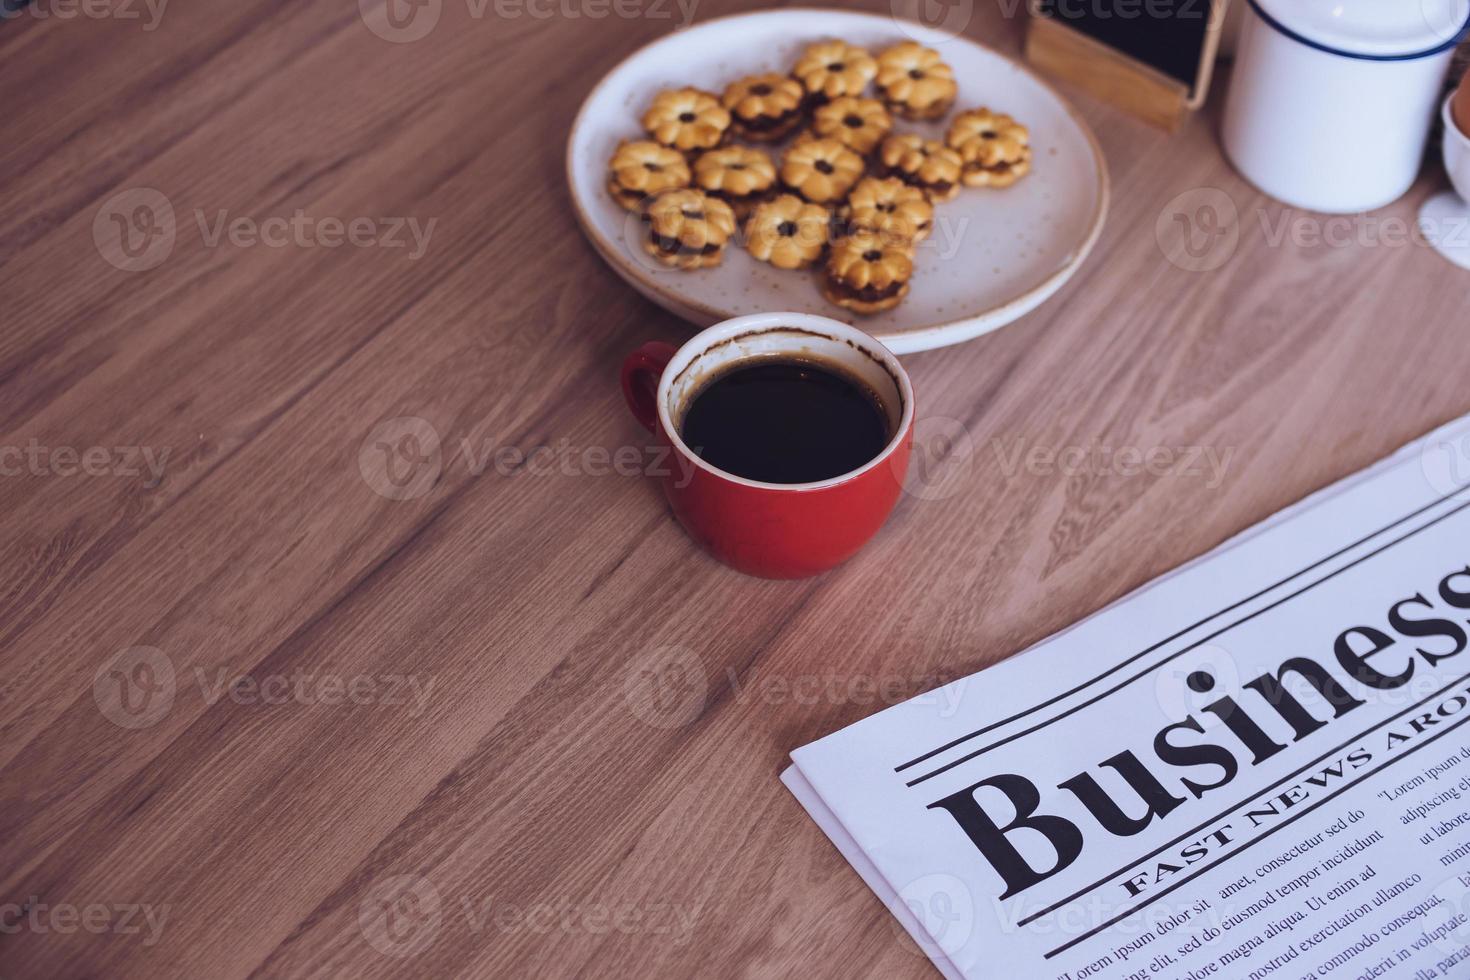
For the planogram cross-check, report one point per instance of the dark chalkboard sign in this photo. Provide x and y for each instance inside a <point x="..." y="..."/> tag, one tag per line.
<point x="1153" y="57"/>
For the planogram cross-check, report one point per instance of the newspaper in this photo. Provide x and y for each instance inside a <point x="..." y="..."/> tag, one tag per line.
<point x="1256" y="766"/>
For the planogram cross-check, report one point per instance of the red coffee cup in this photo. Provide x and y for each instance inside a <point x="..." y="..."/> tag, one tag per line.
<point x="774" y="530"/>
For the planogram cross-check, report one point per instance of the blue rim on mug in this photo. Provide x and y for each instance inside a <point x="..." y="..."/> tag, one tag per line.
<point x="1281" y="28"/>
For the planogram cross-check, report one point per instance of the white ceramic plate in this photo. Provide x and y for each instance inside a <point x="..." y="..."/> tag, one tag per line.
<point x="994" y="254"/>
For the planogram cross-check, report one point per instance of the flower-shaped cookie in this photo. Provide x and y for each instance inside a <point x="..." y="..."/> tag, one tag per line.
<point x="687" y="119"/>
<point x="927" y="164"/>
<point x="859" y="123"/>
<point x="915" y="83"/>
<point x="831" y="69"/>
<point x="741" y="175"/>
<point x="765" y="107"/>
<point x="821" y="170"/>
<point x="867" y="273"/>
<point x="688" y="229"/>
<point x="890" y="209"/>
<point x="995" y="148"/>
<point x="643" y="168"/>
<point x="787" y="232"/>
<point x="982" y="169"/>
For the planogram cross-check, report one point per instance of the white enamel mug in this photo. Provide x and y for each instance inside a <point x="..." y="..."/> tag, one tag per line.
<point x="1331" y="104"/>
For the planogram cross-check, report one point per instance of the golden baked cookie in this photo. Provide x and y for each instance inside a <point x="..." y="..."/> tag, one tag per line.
<point x="742" y="176"/>
<point x="859" y="123"/>
<point x="926" y="164"/>
<point x="890" y="209"/>
<point x="643" y="168"/>
<point x="996" y="149"/>
<point x="915" y="83"/>
<point x="788" y="232"/>
<point x="688" y="229"/>
<point x="687" y="119"/>
<point x="867" y="273"/>
<point x="821" y="170"/>
<point x="983" y="169"/>
<point x="764" y="108"/>
<point x="832" y="69"/>
<point x="996" y="127"/>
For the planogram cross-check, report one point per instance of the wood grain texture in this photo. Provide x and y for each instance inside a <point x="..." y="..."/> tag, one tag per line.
<point x="587" y="784"/>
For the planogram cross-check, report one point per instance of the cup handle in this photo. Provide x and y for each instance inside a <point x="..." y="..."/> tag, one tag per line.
<point x="642" y="370"/>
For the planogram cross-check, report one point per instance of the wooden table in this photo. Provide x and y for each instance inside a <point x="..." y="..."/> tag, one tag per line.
<point x="259" y="717"/>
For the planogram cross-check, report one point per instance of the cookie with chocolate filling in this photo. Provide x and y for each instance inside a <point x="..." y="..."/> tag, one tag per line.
<point x="787" y="232"/>
<point x="687" y="119"/>
<point x="860" y="124"/>
<point x="821" y="170"/>
<point x="742" y="176"/>
<point x="868" y="273"/>
<point x="688" y="229"/>
<point x="764" y="108"/>
<point x="996" y="149"/>
<point x="915" y="83"/>
<point x="926" y="164"/>
<point x="643" y="168"/>
<point x="984" y="166"/>
<point x="831" y="69"/>
<point x="890" y="209"/>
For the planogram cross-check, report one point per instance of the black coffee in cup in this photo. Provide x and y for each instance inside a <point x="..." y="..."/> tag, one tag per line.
<point x="786" y="420"/>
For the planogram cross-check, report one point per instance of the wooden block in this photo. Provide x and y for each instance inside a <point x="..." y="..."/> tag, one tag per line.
<point x="1110" y="76"/>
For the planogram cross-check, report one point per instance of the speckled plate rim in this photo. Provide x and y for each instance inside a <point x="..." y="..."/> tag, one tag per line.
<point x="910" y="339"/>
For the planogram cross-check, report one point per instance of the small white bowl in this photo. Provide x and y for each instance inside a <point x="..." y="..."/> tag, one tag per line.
<point x="1444" y="220"/>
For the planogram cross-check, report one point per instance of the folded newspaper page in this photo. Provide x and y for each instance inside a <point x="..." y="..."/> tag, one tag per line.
<point x="1256" y="766"/>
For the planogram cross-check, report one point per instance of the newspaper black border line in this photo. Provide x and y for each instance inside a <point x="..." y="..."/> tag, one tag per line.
<point x="1183" y="650"/>
<point x="1169" y="639"/>
<point x="1245" y="847"/>
<point x="1219" y="815"/>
